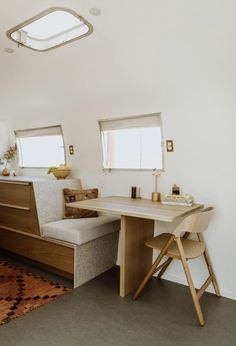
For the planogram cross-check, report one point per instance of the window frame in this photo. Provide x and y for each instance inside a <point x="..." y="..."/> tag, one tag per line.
<point x="106" y="169"/>
<point x="36" y="129"/>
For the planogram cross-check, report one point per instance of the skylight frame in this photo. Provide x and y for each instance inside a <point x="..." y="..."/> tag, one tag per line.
<point x="43" y="14"/>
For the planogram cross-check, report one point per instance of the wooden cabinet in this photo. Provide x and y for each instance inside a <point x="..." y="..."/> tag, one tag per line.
<point x="15" y="194"/>
<point x="17" y="207"/>
<point x="20" y="223"/>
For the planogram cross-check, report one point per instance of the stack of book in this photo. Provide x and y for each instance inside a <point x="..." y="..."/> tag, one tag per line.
<point x="178" y="200"/>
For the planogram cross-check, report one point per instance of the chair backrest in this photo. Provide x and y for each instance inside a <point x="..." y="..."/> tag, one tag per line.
<point x="195" y="223"/>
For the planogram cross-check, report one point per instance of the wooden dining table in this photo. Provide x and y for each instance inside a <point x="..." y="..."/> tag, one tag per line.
<point x="137" y="226"/>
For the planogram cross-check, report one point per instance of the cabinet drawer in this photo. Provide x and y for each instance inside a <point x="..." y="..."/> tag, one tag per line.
<point x="15" y="194"/>
<point x="40" y="250"/>
<point x="19" y="219"/>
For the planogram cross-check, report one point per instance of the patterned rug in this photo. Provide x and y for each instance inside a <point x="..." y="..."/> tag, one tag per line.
<point x="22" y="292"/>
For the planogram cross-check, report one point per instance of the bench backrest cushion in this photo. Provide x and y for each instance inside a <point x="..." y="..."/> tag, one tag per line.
<point x="49" y="198"/>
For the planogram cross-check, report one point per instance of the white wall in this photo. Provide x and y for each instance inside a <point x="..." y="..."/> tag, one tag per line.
<point x="5" y="137"/>
<point x="183" y="65"/>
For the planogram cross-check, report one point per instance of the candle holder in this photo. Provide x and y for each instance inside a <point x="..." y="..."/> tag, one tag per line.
<point x="156" y="196"/>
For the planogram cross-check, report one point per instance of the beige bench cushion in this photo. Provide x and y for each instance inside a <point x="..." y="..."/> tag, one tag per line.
<point x="80" y="231"/>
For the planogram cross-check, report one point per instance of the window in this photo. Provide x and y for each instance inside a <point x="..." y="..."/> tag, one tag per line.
<point x="40" y="148"/>
<point x="132" y="143"/>
<point x="50" y="29"/>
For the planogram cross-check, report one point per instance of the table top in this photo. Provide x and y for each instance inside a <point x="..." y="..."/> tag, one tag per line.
<point x="142" y="208"/>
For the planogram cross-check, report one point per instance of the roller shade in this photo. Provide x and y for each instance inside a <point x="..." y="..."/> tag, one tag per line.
<point x="44" y="131"/>
<point x="149" y="120"/>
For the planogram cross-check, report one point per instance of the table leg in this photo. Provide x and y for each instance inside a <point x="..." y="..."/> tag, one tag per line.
<point x="136" y="258"/>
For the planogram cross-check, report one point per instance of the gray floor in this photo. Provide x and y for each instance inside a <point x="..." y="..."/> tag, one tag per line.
<point x="94" y="315"/>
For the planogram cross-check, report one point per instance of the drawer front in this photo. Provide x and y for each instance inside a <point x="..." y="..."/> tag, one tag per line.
<point x="54" y="255"/>
<point x="15" y="194"/>
<point x="19" y="219"/>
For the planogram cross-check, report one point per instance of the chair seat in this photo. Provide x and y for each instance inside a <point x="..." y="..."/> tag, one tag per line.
<point x="192" y="248"/>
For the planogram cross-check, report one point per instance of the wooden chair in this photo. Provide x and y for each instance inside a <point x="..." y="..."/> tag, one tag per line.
<point x="176" y="247"/>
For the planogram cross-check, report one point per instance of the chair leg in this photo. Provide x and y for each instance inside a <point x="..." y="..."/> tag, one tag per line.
<point x="153" y="268"/>
<point x="209" y="266"/>
<point x="161" y="273"/>
<point x="190" y="283"/>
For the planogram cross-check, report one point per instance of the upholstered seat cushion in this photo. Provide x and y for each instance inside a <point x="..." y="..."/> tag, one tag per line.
<point x="80" y="231"/>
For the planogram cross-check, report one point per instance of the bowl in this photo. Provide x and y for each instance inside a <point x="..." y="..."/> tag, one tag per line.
<point x="61" y="172"/>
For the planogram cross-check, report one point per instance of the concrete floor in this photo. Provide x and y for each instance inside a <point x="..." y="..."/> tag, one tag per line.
<point x="95" y="315"/>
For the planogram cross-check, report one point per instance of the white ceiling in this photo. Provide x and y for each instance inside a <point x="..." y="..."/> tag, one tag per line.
<point x="135" y="45"/>
<point x="102" y="65"/>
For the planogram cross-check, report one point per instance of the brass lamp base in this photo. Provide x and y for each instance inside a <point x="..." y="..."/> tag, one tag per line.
<point x="156" y="196"/>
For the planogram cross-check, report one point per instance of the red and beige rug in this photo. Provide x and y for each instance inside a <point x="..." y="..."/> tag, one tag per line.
<point x="22" y="292"/>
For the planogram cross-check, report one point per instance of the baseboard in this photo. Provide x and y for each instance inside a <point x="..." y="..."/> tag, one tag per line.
<point x="180" y="280"/>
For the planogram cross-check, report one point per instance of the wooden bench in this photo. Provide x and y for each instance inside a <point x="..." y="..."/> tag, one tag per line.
<point x="32" y="225"/>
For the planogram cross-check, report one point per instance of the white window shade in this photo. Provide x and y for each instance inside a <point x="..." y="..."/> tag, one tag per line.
<point x="149" y="120"/>
<point x="44" y="131"/>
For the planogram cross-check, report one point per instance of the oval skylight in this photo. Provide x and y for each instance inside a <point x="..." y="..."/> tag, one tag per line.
<point x="50" y="29"/>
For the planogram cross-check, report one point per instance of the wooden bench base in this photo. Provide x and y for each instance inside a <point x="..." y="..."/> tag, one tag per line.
<point x="78" y="262"/>
<point x="38" y="249"/>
